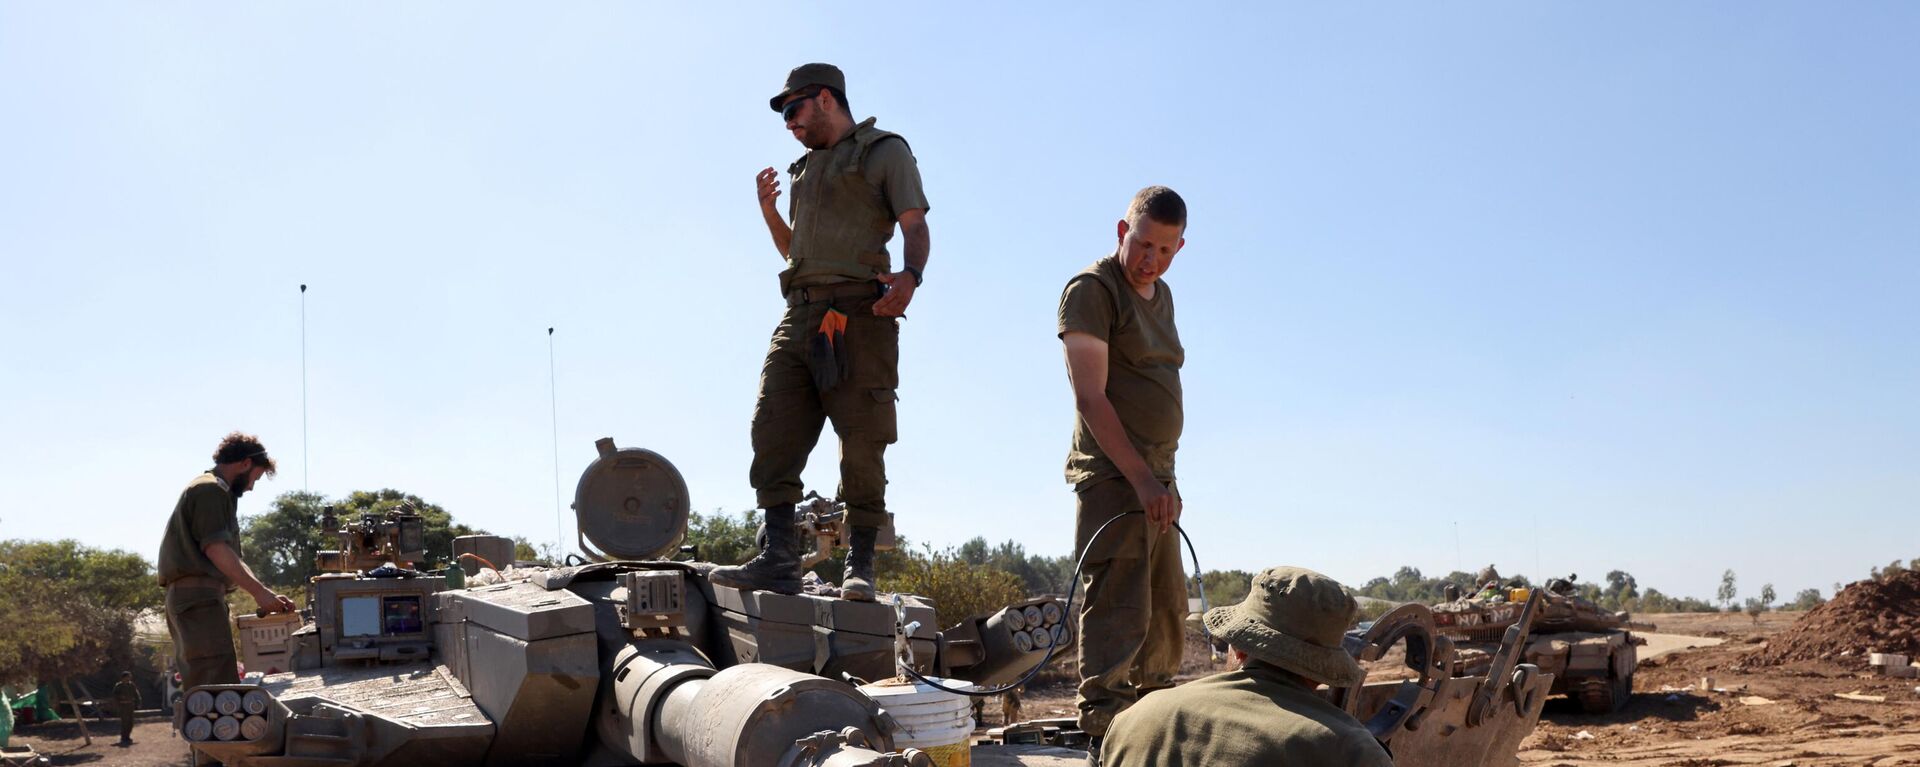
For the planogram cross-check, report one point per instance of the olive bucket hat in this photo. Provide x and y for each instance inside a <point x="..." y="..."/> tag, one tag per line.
<point x="1293" y="618"/>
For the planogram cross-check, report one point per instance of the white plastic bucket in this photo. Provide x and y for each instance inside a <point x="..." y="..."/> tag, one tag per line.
<point x="932" y="720"/>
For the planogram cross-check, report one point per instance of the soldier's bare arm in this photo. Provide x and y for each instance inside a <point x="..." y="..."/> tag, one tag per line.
<point x="901" y="284"/>
<point x="769" y="183"/>
<point x="1087" y="369"/>
<point x="228" y="562"/>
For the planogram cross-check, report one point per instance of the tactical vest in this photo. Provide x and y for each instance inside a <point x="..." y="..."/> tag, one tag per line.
<point x="841" y="220"/>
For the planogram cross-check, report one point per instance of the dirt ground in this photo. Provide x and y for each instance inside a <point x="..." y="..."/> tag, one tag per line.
<point x="153" y="742"/>
<point x="1772" y="715"/>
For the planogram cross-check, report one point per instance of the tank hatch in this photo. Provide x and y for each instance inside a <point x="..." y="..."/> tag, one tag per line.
<point x="631" y="504"/>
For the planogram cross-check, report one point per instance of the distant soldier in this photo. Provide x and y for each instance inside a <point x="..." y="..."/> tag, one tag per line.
<point x="1286" y="638"/>
<point x="126" y="698"/>
<point x="1123" y="360"/>
<point x="200" y="562"/>
<point x="836" y="353"/>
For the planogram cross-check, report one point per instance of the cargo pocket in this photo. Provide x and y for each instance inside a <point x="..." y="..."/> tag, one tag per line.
<point x="883" y="420"/>
<point x="202" y="623"/>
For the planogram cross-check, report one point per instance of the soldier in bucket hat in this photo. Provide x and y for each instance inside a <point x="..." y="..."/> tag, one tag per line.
<point x="1286" y="638"/>
<point x="836" y="353"/>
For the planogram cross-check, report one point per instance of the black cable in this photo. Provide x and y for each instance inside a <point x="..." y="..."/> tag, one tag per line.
<point x="1068" y="614"/>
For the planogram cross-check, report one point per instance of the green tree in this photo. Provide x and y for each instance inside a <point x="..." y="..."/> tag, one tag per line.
<point x="68" y="609"/>
<point x="1406" y="583"/>
<point x="723" y="538"/>
<point x="525" y="550"/>
<point x="1891" y="571"/>
<point x="111" y="578"/>
<point x="1767" y="596"/>
<point x="1727" y="590"/>
<point x="280" y="544"/>
<point x="1226" y="587"/>
<point x="1621" y="589"/>
<point x="1042" y="575"/>
<point x="957" y="588"/>
<point x="973" y="552"/>
<point x="1807" y="599"/>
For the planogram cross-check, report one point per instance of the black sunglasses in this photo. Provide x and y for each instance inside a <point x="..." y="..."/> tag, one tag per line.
<point x="793" y="107"/>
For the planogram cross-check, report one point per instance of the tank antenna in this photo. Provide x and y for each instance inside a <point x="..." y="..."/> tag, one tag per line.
<point x="305" y="478"/>
<point x="553" y="389"/>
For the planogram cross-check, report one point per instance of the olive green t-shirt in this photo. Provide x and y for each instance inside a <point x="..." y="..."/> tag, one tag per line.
<point x="206" y="512"/>
<point x="1143" y="368"/>
<point x="1251" y="717"/>
<point x="845" y="202"/>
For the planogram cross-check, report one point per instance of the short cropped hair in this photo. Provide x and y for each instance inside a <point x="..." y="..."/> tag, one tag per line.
<point x="1159" y="203"/>
<point x="237" y="447"/>
<point x="840" y="97"/>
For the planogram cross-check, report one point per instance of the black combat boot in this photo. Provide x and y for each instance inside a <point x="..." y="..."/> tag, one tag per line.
<point x="858" y="583"/>
<point x="776" y="568"/>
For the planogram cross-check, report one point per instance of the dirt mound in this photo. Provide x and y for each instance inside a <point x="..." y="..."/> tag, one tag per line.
<point x="1867" y="616"/>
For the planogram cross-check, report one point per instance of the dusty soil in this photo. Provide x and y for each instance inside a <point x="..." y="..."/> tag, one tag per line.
<point x="1865" y="617"/>
<point x="153" y="742"/>
<point x="1754" y="714"/>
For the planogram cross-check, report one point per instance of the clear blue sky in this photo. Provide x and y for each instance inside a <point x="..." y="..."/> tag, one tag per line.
<point x="1609" y="286"/>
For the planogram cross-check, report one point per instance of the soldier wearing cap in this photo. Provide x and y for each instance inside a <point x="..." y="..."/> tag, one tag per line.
<point x="200" y="562"/>
<point x="126" y="699"/>
<point x="1123" y="352"/>
<point x="1286" y="637"/>
<point x="835" y="355"/>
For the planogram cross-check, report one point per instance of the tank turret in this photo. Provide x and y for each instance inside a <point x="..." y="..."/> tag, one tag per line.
<point x="632" y="658"/>
<point x="1588" y="650"/>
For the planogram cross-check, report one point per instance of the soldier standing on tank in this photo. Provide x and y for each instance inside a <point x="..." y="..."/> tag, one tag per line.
<point x="200" y="562"/>
<point x="1123" y="359"/>
<point x="126" y="698"/>
<point x="835" y="355"/>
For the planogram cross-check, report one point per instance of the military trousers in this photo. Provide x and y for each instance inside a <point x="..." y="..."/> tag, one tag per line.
<point x="791" y="409"/>
<point x="1134" y="603"/>
<point x="202" y="636"/>
<point x="126" y="721"/>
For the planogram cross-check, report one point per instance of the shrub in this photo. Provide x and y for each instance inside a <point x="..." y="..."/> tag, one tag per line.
<point x="958" y="589"/>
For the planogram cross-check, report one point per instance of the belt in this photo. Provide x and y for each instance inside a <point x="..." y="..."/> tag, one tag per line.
<point x="818" y="293"/>
<point x="196" y="582"/>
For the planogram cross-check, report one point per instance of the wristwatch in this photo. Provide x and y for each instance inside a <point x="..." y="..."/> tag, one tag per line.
<point x="918" y="278"/>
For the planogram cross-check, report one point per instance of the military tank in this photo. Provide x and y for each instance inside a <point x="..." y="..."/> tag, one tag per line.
<point x="1589" y="651"/>
<point x="634" y="657"/>
<point x="627" y="657"/>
